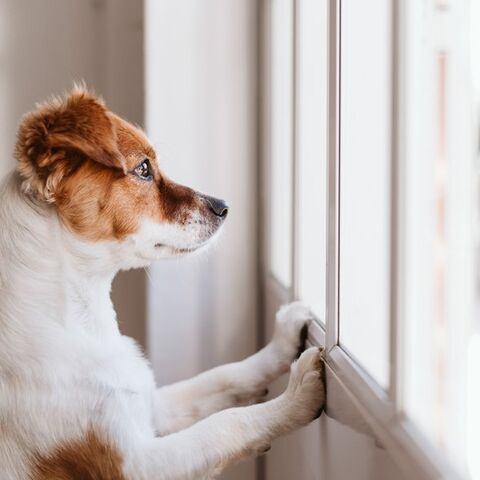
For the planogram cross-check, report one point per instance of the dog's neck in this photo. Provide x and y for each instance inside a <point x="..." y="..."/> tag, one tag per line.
<point x="48" y="275"/>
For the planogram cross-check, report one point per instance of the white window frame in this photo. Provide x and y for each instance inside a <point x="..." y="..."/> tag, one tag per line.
<point x="380" y="409"/>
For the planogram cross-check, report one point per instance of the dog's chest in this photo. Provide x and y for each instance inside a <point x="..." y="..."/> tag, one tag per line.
<point x="120" y="366"/>
<point x="94" y="383"/>
<point x="121" y="377"/>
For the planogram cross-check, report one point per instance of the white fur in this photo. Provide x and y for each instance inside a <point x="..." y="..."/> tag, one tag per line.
<point x="174" y="238"/>
<point x="64" y="366"/>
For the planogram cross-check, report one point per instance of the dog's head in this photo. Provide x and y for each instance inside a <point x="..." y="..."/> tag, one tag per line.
<point x="104" y="179"/>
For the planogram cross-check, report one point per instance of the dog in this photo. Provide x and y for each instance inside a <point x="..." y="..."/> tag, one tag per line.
<point x="78" y="399"/>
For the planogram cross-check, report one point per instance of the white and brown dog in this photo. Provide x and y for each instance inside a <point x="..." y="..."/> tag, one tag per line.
<point x="77" y="399"/>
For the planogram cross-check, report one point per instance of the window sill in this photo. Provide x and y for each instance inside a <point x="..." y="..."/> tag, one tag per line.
<point x="356" y="400"/>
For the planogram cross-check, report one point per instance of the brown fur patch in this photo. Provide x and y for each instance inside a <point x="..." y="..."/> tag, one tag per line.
<point x="54" y="138"/>
<point x="91" y="457"/>
<point x="77" y="154"/>
<point x="103" y="204"/>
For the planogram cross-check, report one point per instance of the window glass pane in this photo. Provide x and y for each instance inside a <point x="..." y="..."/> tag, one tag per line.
<point x="312" y="107"/>
<point x="365" y="155"/>
<point x="281" y="140"/>
<point x="441" y="284"/>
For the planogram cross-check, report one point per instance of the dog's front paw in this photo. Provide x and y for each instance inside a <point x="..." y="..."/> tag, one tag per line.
<point x="291" y="330"/>
<point x="305" y="394"/>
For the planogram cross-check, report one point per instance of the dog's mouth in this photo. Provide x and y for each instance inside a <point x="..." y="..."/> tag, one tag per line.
<point x="184" y="246"/>
<point x="178" y="250"/>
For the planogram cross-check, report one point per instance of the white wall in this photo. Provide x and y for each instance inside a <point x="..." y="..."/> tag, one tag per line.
<point x="201" y="115"/>
<point x="44" y="47"/>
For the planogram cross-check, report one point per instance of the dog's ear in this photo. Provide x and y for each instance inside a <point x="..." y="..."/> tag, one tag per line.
<point x="55" y="139"/>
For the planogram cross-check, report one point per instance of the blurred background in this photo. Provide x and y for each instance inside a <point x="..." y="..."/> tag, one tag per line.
<point x="274" y="105"/>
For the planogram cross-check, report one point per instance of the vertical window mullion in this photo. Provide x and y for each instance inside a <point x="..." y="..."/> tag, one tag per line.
<point x="333" y="156"/>
<point x="295" y="169"/>
<point x="397" y="195"/>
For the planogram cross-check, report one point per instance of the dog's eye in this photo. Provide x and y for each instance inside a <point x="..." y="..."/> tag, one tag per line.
<point x="144" y="170"/>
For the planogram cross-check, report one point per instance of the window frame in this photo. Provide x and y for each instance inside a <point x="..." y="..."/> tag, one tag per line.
<point x="381" y="409"/>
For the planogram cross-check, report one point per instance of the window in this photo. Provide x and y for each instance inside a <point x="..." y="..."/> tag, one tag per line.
<point x="282" y="142"/>
<point x="299" y="149"/>
<point x="381" y="234"/>
<point x="365" y="206"/>
<point x="440" y="232"/>
<point x="311" y="152"/>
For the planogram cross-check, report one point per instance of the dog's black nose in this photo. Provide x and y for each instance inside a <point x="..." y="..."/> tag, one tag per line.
<point x="217" y="206"/>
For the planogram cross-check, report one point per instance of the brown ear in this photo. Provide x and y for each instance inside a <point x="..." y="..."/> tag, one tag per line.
<point x="54" y="139"/>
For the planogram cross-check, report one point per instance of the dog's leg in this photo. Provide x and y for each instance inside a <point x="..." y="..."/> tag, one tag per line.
<point x="242" y="383"/>
<point x="205" y="449"/>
